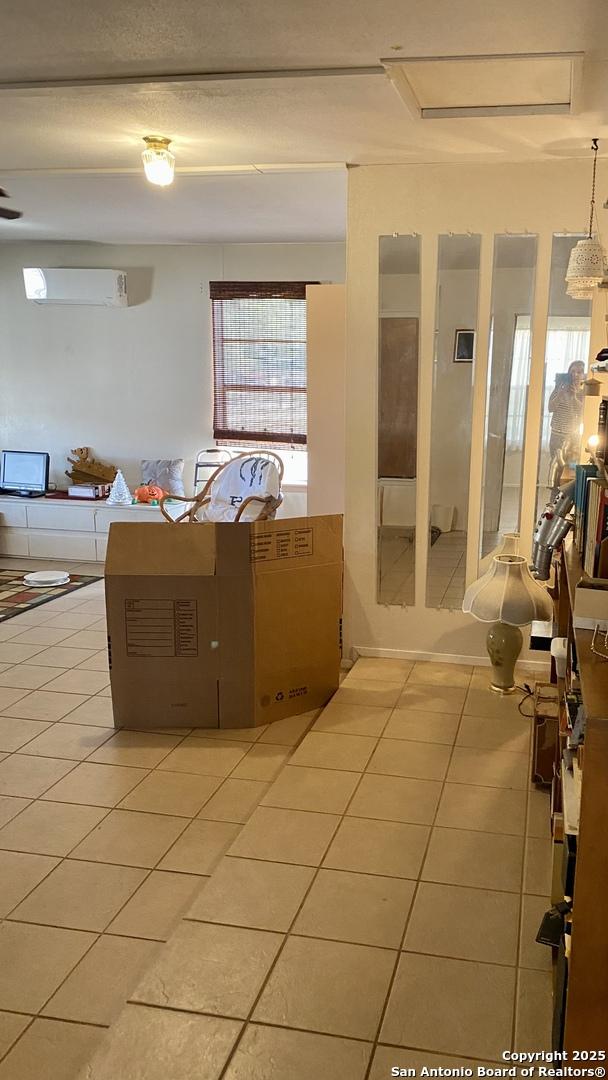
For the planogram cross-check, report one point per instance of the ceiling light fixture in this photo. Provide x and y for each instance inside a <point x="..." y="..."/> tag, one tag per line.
<point x="159" y="162"/>
<point x="587" y="263"/>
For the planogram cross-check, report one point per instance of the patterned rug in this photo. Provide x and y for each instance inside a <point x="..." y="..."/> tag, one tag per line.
<point x="15" y="597"/>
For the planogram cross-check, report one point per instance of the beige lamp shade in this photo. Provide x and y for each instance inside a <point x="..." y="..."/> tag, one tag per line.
<point x="585" y="268"/>
<point x="508" y="593"/>
<point x="509" y="546"/>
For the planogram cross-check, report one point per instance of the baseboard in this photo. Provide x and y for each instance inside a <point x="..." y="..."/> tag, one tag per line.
<point x="438" y="658"/>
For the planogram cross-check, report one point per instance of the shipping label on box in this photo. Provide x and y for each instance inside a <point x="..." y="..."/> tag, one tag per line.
<point x="286" y="544"/>
<point x="155" y="628"/>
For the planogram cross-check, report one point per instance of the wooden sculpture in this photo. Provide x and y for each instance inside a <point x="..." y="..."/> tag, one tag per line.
<point x="86" y="470"/>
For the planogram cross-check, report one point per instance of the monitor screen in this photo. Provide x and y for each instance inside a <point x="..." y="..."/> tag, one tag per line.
<point x="22" y="470"/>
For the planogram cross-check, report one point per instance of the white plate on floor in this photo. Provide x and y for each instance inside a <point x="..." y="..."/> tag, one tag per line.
<point x="46" y="579"/>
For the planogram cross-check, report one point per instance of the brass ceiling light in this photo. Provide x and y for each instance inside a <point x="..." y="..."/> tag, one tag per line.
<point x="159" y="162"/>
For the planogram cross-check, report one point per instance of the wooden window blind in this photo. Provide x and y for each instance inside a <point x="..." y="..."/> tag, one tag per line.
<point x="259" y="361"/>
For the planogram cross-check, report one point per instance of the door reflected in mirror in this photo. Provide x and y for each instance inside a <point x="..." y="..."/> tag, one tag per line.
<point x="399" y="304"/>
<point x="507" y="387"/>
<point x="454" y="362"/>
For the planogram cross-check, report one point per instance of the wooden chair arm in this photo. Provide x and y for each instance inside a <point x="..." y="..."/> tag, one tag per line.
<point x="269" y="502"/>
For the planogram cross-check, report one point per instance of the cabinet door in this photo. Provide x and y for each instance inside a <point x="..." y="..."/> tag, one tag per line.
<point x="67" y="546"/>
<point x="105" y="517"/>
<point x="13" y="542"/>
<point x="64" y="516"/>
<point x="398" y="400"/>
<point x="12" y="513"/>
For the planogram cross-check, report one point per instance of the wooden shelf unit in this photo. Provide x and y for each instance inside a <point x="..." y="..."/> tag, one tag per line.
<point x="587" y="999"/>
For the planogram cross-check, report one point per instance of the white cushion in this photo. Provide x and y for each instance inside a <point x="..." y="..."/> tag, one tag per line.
<point x="166" y="473"/>
<point x="236" y="482"/>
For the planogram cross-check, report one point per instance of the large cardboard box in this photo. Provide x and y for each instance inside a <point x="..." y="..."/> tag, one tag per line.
<point x="226" y="625"/>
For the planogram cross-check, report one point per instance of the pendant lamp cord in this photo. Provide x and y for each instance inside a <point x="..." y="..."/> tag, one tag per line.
<point x="595" y="148"/>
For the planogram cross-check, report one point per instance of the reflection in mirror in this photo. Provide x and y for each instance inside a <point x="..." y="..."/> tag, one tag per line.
<point x="455" y="331"/>
<point x="507" y="387"/>
<point x="397" y="416"/>
<point x="566" y="361"/>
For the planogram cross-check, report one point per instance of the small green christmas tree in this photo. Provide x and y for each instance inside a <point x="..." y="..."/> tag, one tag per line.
<point x="119" y="492"/>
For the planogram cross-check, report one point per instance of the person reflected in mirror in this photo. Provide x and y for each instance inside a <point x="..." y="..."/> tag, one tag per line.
<point x="566" y="408"/>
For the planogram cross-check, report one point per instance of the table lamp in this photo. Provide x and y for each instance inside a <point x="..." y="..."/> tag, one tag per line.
<point x="508" y="597"/>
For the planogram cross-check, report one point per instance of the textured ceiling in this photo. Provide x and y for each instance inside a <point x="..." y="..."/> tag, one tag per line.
<point x="61" y="38"/>
<point x="356" y="118"/>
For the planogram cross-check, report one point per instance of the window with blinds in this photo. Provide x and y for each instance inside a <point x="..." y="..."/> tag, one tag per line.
<point x="259" y="362"/>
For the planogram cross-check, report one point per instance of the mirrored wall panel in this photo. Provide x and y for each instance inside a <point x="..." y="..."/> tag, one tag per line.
<point x="454" y="362"/>
<point x="399" y="292"/>
<point x="507" y="387"/>
<point x="566" y="363"/>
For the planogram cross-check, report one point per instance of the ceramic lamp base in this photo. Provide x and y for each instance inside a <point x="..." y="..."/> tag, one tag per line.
<point x="504" y="645"/>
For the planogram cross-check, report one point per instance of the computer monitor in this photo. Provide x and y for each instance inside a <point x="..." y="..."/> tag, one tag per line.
<point x="24" y="471"/>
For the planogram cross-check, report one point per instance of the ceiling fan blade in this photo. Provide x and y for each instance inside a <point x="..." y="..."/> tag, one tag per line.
<point x="10" y="215"/>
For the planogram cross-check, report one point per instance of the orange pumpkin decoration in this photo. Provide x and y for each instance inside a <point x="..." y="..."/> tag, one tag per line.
<point x="148" y="493"/>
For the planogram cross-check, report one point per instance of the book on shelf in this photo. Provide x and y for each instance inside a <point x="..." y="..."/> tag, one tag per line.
<point x="582" y="475"/>
<point x="89" y="491"/>
<point x="595" y="551"/>
<point x="602" y="430"/>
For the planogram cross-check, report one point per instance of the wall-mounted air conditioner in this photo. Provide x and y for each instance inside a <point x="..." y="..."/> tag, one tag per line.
<point x="101" y="288"/>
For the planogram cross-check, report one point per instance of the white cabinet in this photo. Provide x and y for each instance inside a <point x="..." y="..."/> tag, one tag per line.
<point x="62" y="529"/>
<point x="78" y="532"/>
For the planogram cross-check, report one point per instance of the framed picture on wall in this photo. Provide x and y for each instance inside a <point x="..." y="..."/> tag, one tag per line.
<point x="464" y="346"/>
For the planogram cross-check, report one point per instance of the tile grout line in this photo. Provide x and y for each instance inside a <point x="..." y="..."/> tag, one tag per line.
<point x="300" y="1030"/>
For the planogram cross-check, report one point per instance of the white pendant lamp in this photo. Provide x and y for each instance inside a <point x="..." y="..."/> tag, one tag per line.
<point x="587" y="263"/>
<point x="159" y="162"/>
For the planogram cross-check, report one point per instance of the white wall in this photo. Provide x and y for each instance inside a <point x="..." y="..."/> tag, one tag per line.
<point x="430" y="200"/>
<point x="326" y="373"/>
<point x="136" y="382"/>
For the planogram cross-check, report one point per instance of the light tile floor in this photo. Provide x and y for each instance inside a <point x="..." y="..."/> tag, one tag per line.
<point x="252" y="912"/>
